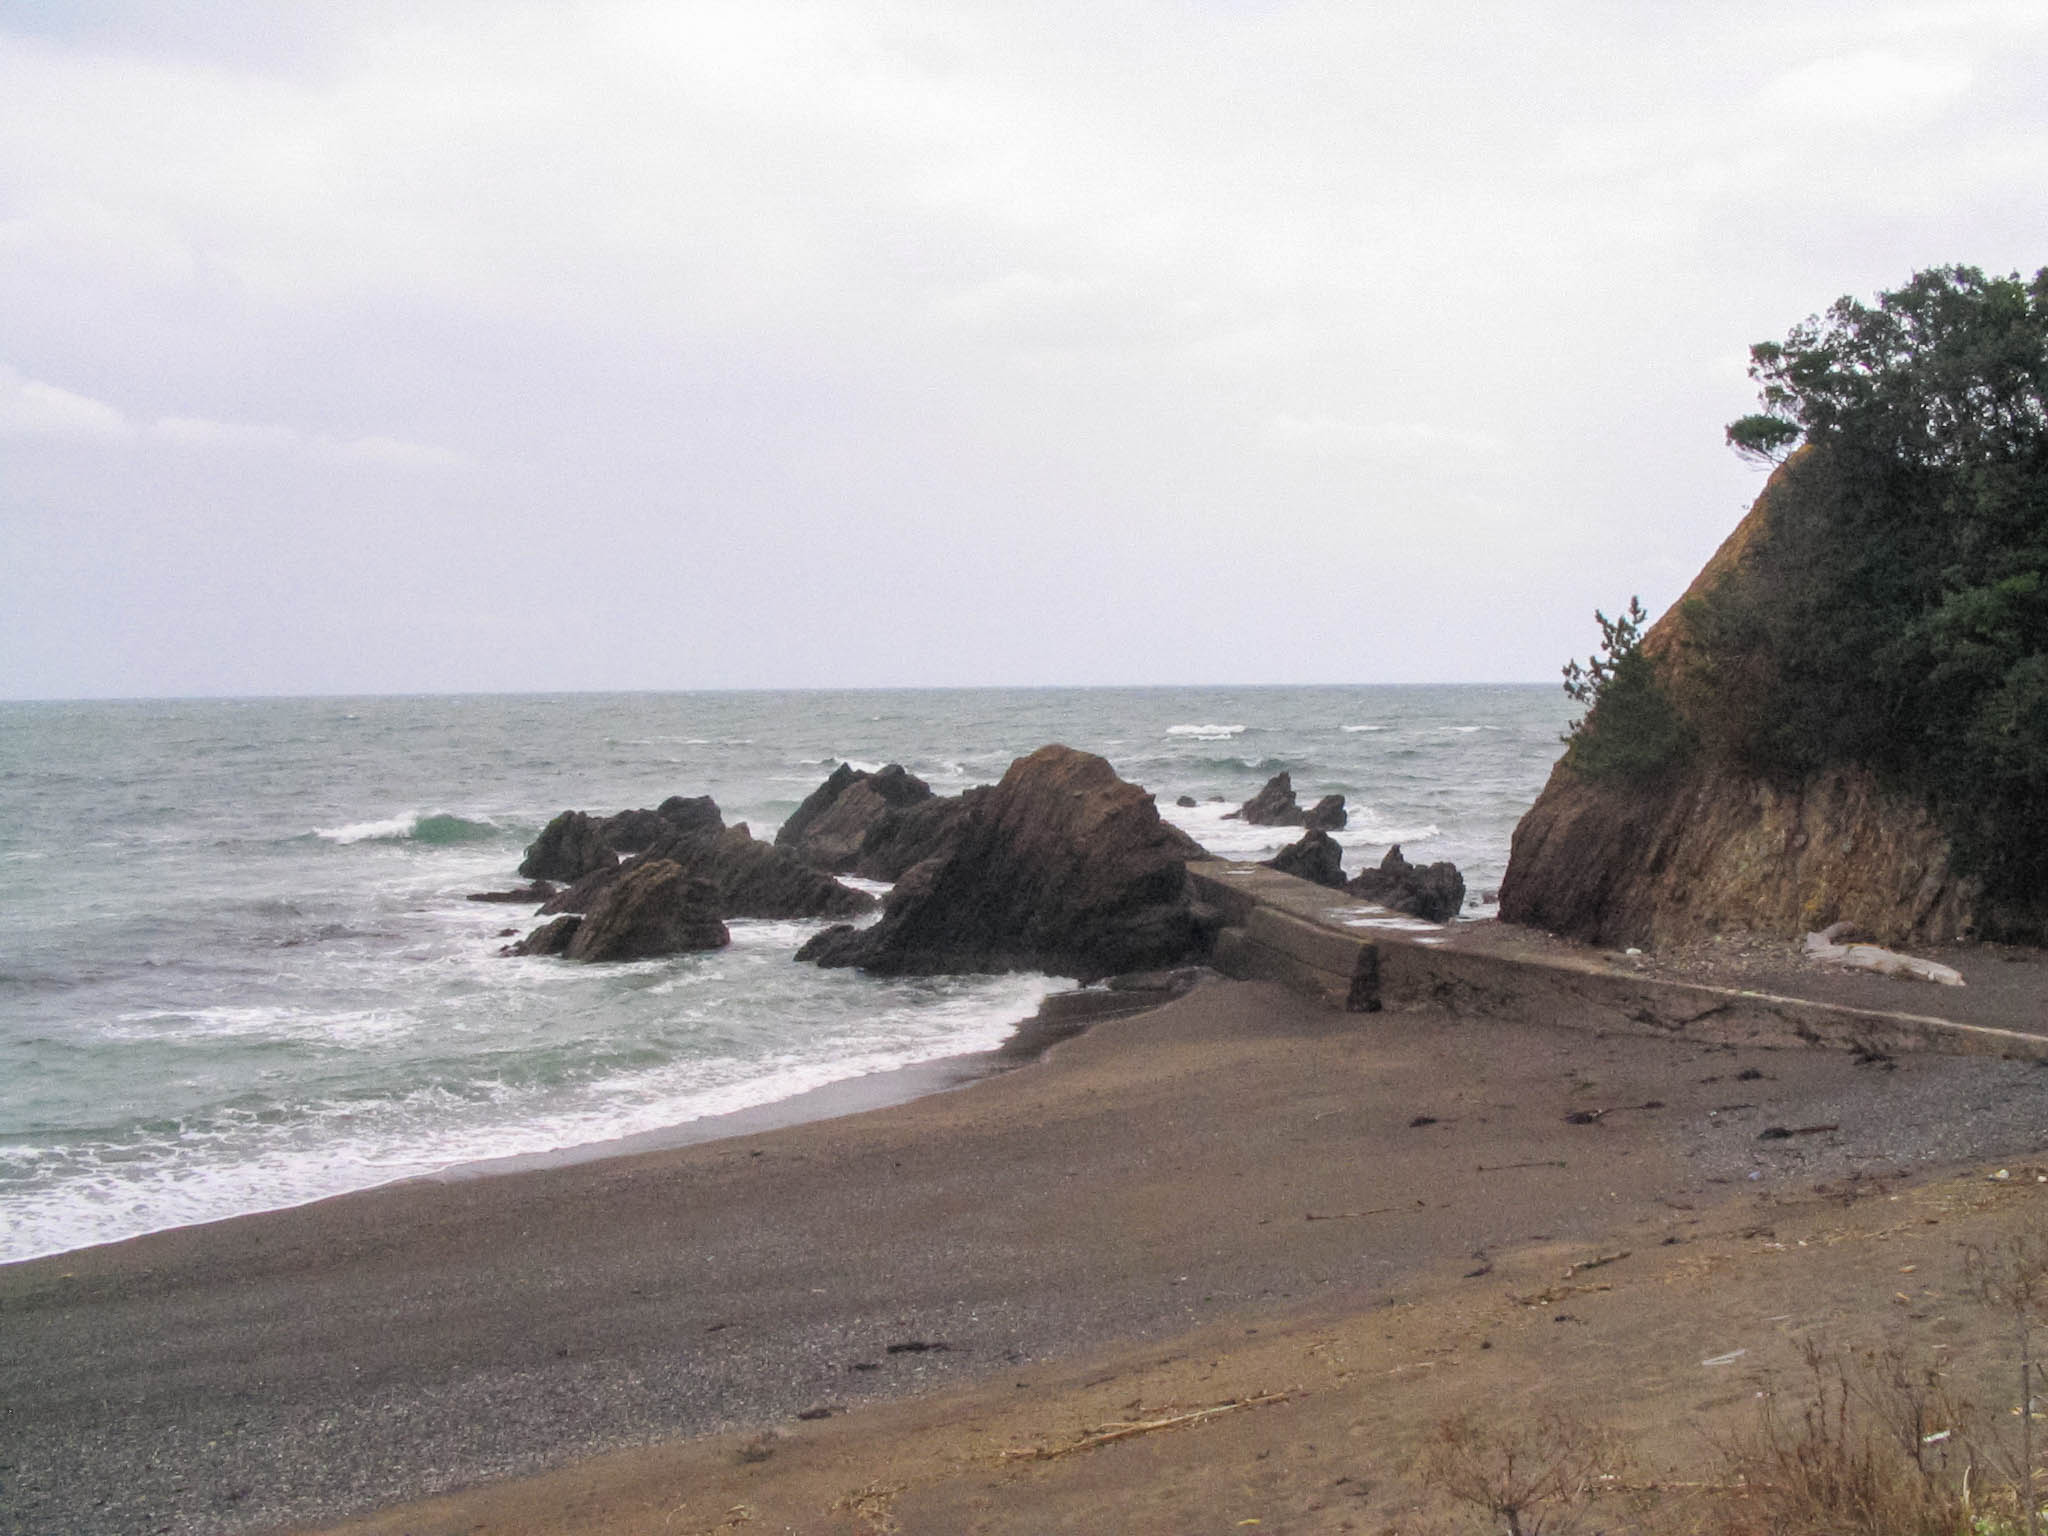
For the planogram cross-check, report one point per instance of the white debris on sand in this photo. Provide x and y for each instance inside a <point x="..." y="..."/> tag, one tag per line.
<point x="1825" y="948"/>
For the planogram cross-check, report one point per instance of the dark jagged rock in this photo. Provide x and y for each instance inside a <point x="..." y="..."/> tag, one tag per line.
<point x="696" y="815"/>
<point x="637" y="831"/>
<point x="568" y="848"/>
<point x="751" y="878"/>
<point x="1317" y="856"/>
<point x="1273" y="806"/>
<point x="907" y="836"/>
<point x="837" y="946"/>
<point x="1435" y="893"/>
<point x="828" y="830"/>
<point x="633" y="831"/>
<point x="578" y="895"/>
<point x="1185" y="802"/>
<point x="652" y="909"/>
<point x="540" y="890"/>
<point x="791" y="833"/>
<point x="1327" y="813"/>
<point x="748" y="878"/>
<point x="1062" y="867"/>
<point x="548" y="939"/>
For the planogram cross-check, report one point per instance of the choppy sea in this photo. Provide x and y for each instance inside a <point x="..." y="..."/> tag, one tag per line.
<point x="237" y="969"/>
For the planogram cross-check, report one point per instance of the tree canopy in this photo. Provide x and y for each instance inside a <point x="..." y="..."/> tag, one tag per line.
<point x="1895" y="613"/>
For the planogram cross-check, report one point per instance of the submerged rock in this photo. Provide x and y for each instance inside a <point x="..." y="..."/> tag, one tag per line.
<point x="1061" y="867"/>
<point x="1317" y="856"/>
<point x="1434" y="892"/>
<point x="539" y="891"/>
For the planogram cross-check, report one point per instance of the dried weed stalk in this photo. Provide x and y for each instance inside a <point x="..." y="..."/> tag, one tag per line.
<point x="1530" y="1478"/>
<point x="1875" y="1446"/>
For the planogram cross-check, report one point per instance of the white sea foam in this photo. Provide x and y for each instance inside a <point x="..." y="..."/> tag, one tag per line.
<point x="1360" y="729"/>
<point x="183" y="1169"/>
<point x="1206" y="732"/>
<point x="363" y="831"/>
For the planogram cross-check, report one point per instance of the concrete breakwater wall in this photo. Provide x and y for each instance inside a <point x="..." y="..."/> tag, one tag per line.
<point x="1362" y="958"/>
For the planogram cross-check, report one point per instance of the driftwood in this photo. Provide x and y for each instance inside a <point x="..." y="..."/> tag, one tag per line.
<point x="1823" y="949"/>
<point x="1596" y="1262"/>
<point x="1378" y="1210"/>
<point x="1104" y="1434"/>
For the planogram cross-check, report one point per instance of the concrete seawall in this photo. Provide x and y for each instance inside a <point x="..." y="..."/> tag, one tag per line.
<point x="1363" y="958"/>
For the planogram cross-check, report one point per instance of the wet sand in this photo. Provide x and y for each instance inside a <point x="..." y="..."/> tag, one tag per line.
<point x="1238" y="1154"/>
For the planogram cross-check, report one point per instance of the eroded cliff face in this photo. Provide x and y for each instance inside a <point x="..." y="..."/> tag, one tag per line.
<point x="1714" y="850"/>
<point x="1710" y="847"/>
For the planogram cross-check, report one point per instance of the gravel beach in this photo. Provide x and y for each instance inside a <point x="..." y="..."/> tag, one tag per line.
<point x="1234" y="1153"/>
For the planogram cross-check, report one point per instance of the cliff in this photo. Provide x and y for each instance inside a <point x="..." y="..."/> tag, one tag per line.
<point x="1716" y="848"/>
<point x="1712" y="843"/>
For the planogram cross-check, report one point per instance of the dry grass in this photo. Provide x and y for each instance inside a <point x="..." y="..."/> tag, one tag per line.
<point x="1870" y="1446"/>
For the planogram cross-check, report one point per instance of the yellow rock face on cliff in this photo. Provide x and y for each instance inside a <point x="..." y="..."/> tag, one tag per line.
<point x="1710" y="847"/>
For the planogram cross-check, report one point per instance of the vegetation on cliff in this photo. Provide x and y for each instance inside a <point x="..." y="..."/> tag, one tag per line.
<point x="1886" y="609"/>
<point x="1633" y="734"/>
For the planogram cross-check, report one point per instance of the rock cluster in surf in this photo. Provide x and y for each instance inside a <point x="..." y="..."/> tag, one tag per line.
<point x="1275" y="806"/>
<point x="1433" y="892"/>
<point x="611" y="910"/>
<point x="878" y="825"/>
<point x="1061" y="867"/>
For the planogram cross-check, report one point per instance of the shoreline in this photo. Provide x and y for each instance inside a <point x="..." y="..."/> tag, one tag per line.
<point x="1220" y="1162"/>
<point x="1059" y="1016"/>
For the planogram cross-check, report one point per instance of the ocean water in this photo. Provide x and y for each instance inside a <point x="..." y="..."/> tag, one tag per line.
<point x="237" y="971"/>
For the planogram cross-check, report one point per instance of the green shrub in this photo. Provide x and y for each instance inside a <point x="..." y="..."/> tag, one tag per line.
<point x="1630" y="730"/>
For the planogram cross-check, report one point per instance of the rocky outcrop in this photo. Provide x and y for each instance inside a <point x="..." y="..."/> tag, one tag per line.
<point x="1275" y="806"/>
<point x="1317" y="856"/>
<point x="1061" y="867"/>
<point x="1709" y="846"/>
<point x="1272" y="806"/>
<point x="568" y="848"/>
<point x="651" y="910"/>
<point x="1715" y="849"/>
<point x="750" y="878"/>
<point x="637" y="831"/>
<point x="550" y="938"/>
<point x="830" y="828"/>
<point x="1327" y="814"/>
<point x="746" y="878"/>
<point x="1433" y="892"/>
<point x="907" y="836"/>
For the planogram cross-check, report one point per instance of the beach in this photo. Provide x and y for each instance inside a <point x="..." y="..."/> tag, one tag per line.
<point x="1236" y="1160"/>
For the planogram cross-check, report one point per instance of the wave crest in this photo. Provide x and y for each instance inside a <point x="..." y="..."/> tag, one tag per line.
<point x="437" y="830"/>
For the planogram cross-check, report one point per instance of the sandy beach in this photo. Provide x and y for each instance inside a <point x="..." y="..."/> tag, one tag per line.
<point x="1183" y="1192"/>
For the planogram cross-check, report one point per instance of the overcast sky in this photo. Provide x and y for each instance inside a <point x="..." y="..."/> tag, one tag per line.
<point x="447" y="346"/>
